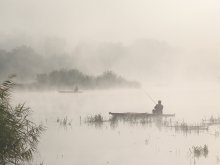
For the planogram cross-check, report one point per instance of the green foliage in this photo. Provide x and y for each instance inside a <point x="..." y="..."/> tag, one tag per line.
<point x="18" y="135"/>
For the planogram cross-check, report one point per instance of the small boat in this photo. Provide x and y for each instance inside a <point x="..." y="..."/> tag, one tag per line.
<point x="76" y="90"/>
<point x="69" y="91"/>
<point x="139" y="115"/>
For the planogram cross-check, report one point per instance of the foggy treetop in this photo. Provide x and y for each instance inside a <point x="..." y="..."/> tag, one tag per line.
<point x="74" y="78"/>
<point x="26" y="62"/>
<point x="159" y="41"/>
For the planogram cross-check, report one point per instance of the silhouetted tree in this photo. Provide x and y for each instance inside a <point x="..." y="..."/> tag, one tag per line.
<point x="73" y="77"/>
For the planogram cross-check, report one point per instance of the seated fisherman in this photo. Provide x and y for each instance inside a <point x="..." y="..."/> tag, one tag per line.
<point x="158" y="109"/>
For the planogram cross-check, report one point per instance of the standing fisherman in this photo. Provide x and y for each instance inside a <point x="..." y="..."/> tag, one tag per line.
<point x="158" y="109"/>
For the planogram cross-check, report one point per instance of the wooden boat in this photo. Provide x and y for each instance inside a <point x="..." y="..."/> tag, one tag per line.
<point x="139" y="115"/>
<point x="76" y="90"/>
<point x="69" y="91"/>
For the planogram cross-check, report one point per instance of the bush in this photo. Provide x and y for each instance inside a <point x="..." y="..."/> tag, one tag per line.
<point x="18" y="136"/>
<point x="95" y="119"/>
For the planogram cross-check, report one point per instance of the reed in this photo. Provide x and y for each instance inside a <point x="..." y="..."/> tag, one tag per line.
<point x="64" y="121"/>
<point x="199" y="151"/>
<point x="97" y="118"/>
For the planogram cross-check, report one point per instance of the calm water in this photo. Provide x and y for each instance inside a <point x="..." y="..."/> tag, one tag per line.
<point x="127" y="144"/>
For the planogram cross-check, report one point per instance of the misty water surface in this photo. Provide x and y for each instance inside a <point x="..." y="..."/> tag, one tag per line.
<point x="80" y="143"/>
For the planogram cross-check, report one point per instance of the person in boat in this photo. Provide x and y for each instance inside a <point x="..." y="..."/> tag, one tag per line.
<point x="158" y="109"/>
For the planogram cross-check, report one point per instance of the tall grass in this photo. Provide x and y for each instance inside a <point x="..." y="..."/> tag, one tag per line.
<point x="19" y="136"/>
<point x="97" y="118"/>
<point x="199" y="151"/>
<point x="64" y="121"/>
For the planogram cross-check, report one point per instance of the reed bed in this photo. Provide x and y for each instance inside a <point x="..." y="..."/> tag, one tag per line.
<point x="64" y="121"/>
<point x="199" y="151"/>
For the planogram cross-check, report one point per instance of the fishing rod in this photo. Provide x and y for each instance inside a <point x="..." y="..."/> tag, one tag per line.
<point x="149" y="96"/>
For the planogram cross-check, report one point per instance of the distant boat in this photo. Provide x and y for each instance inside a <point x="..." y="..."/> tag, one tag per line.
<point x="67" y="91"/>
<point x="76" y="90"/>
<point x="139" y="115"/>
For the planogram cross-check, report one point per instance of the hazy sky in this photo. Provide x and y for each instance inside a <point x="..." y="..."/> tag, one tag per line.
<point x="189" y="26"/>
<point x="191" y="23"/>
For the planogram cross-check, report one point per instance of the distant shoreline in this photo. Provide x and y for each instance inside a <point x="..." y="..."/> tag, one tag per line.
<point x="69" y="79"/>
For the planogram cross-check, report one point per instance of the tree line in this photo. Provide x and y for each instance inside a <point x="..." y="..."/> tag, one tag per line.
<point x="64" y="78"/>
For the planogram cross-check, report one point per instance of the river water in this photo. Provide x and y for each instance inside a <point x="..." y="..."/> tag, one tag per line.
<point x="87" y="144"/>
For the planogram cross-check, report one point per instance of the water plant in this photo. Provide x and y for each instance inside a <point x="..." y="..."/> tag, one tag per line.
<point x="187" y="128"/>
<point x="64" y="121"/>
<point x="199" y="151"/>
<point x="97" y="118"/>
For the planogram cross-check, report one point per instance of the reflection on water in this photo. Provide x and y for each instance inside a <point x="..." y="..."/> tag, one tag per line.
<point x="158" y="121"/>
<point x="71" y="140"/>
